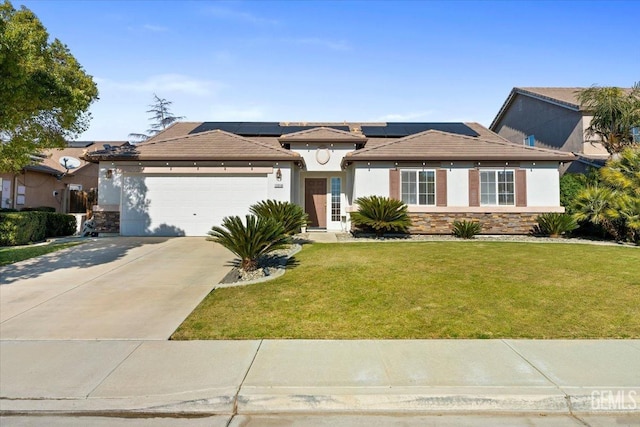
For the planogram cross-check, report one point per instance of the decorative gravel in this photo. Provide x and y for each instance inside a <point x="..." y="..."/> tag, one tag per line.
<point x="268" y="265"/>
<point x="348" y="237"/>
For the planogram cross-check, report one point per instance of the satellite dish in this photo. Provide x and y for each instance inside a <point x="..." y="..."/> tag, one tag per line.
<point x="69" y="162"/>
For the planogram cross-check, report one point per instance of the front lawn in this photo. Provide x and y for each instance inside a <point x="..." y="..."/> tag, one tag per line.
<point x="434" y="290"/>
<point x="9" y="255"/>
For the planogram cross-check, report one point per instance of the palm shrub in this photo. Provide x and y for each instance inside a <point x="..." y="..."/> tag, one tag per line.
<point x="380" y="215"/>
<point x="260" y="236"/>
<point x="466" y="229"/>
<point x="554" y="224"/>
<point x="291" y="216"/>
<point x="599" y="206"/>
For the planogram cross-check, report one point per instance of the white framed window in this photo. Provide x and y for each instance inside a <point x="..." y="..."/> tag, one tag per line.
<point x="497" y="187"/>
<point x="418" y="187"/>
<point x="335" y="198"/>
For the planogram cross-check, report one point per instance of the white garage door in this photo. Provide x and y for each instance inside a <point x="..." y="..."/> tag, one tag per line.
<point x="185" y="205"/>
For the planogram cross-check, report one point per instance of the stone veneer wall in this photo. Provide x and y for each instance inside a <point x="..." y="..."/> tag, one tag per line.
<point x="107" y="221"/>
<point x="492" y="223"/>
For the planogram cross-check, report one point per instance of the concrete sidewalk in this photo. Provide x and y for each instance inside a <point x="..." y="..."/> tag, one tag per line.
<point x="258" y="378"/>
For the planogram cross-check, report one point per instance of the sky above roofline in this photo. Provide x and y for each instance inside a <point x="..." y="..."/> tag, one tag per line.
<point x="336" y="61"/>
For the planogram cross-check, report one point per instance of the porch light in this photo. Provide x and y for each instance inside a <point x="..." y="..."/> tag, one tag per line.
<point x="278" y="175"/>
<point x="109" y="174"/>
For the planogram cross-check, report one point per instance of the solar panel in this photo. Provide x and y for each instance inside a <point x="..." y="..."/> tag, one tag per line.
<point x="399" y="130"/>
<point x="259" y="129"/>
<point x="378" y="131"/>
<point x="293" y="129"/>
<point x="253" y="128"/>
<point x="392" y="130"/>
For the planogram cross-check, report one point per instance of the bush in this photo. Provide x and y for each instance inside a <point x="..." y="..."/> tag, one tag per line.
<point x="21" y="228"/>
<point x="39" y="209"/>
<point x="60" y="224"/>
<point x="555" y="224"/>
<point x="571" y="185"/>
<point x="259" y="237"/>
<point x="380" y="215"/>
<point x="291" y="216"/>
<point x="466" y="229"/>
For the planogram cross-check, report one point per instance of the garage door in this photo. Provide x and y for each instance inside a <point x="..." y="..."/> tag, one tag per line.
<point x="155" y="205"/>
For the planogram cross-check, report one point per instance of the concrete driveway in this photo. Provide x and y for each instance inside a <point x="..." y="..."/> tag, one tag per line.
<point x="109" y="288"/>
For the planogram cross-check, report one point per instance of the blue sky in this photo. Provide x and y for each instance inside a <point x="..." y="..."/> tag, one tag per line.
<point x="336" y="61"/>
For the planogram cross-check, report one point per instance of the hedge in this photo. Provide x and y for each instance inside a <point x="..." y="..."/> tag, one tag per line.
<point x="59" y="224"/>
<point x="39" y="209"/>
<point x="21" y="228"/>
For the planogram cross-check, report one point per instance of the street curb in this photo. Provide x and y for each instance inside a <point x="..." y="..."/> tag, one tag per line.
<point x="362" y="402"/>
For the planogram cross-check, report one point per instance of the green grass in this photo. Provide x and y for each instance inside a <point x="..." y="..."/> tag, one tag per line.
<point x="9" y="255"/>
<point x="434" y="290"/>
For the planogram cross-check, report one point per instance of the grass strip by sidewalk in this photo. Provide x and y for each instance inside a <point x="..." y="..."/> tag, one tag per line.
<point x="9" y="255"/>
<point x="434" y="290"/>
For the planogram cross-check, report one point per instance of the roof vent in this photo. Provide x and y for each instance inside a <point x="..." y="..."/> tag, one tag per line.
<point x="530" y="141"/>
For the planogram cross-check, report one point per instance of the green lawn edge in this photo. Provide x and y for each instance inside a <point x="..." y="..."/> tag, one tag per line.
<point x="415" y="290"/>
<point x="13" y="254"/>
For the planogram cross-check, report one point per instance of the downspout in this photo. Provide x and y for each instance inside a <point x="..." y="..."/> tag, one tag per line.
<point x="14" y="195"/>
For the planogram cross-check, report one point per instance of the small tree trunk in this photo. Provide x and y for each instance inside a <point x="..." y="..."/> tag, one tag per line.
<point x="248" y="264"/>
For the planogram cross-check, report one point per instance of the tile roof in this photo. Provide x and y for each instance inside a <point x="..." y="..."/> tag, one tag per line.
<point x="174" y="130"/>
<point x="323" y="134"/>
<point x="437" y="145"/>
<point x="564" y="96"/>
<point x="50" y="162"/>
<point x="211" y="145"/>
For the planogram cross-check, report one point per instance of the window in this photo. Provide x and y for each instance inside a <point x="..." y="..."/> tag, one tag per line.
<point x="635" y="132"/>
<point x="497" y="187"/>
<point x="335" y="199"/>
<point x="418" y="187"/>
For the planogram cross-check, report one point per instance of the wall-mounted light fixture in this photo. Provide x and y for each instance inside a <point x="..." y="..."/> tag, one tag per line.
<point x="278" y="175"/>
<point x="109" y="174"/>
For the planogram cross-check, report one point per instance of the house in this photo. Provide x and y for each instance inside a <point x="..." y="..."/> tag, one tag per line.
<point x="48" y="183"/>
<point x="187" y="178"/>
<point x="550" y="117"/>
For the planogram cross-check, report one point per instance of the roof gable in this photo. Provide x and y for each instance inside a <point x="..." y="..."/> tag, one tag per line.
<point x="566" y="97"/>
<point x="438" y="145"/>
<point x="323" y="134"/>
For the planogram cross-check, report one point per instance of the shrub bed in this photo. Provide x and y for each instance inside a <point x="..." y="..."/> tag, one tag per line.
<point x="59" y="224"/>
<point x="21" y="228"/>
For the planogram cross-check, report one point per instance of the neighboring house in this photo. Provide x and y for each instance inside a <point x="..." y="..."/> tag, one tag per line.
<point x="550" y="117"/>
<point x="48" y="183"/>
<point x="187" y="178"/>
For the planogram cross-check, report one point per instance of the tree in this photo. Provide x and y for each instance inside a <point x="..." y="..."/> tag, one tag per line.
<point x="260" y="236"/>
<point x="613" y="203"/>
<point x="44" y="92"/>
<point x="161" y="117"/>
<point x="616" y="112"/>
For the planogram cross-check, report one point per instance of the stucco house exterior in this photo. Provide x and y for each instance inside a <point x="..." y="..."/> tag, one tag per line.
<point x="187" y="178"/>
<point x="48" y="183"/>
<point x="550" y="117"/>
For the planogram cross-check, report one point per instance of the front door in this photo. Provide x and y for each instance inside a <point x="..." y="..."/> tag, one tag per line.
<point x="315" y="201"/>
